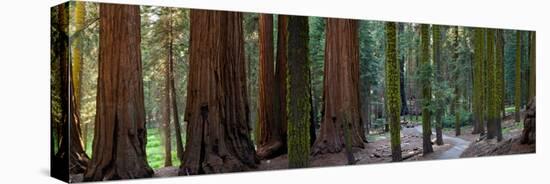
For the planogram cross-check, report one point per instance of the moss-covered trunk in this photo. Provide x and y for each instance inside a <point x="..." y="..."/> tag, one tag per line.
<point x="299" y="97"/>
<point x="517" y="83"/>
<point x="393" y="97"/>
<point x="499" y="82"/>
<point x="426" y="89"/>
<point x="532" y="64"/>
<point x="439" y="111"/>
<point x="478" y="81"/>
<point x="491" y="92"/>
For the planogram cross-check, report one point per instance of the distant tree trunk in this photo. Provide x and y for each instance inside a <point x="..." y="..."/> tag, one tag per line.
<point x="532" y="64"/>
<point x="271" y="143"/>
<point x="299" y="87"/>
<point x="478" y="82"/>
<point x="426" y="90"/>
<point x="491" y="92"/>
<point x="120" y="132"/>
<point x="367" y="107"/>
<point x="517" y="94"/>
<point x="218" y="132"/>
<point x="166" y="112"/>
<point x="456" y="78"/>
<point x="499" y="83"/>
<point x="80" y="17"/>
<point x="404" y="107"/>
<point x="393" y="97"/>
<point x="436" y="37"/>
<point x="71" y="148"/>
<point x="341" y="88"/>
<point x="173" y="97"/>
<point x="280" y="94"/>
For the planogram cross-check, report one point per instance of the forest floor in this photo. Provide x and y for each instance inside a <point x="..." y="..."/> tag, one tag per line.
<point x="378" y="149"/>
<point x="508" y="146"/>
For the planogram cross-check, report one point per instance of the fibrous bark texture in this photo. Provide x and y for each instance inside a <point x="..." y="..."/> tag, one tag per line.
<point x="341" y="88"/>
<point x="271" y="143"/>
<point x="478" y="82"/>
<point x="436" y="52"/>
<point x="218" y="132"/>
<point x="529" y="124"/>
<point x="120" y="133"/>
<point x="393" y="97"/>
<point x="299" y="96"/>
<point x="517" y="88"/>
<point x="426" y="90"/>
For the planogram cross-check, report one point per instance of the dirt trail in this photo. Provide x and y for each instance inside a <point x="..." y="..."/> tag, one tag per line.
<point x="458" y="146"/>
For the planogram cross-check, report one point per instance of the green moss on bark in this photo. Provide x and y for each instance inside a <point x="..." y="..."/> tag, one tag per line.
<point x="298" y="98"/>
<point x="393" y="97"/>
<point x="426" y="89"/>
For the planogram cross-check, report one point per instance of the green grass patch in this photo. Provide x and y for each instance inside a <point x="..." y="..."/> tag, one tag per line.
<point x="154" y="148"/>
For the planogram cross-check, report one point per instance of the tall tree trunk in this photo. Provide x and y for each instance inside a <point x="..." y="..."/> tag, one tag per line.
<point x="71" y="148"/>
<point x="499" y="83"/>
<point x="456" y="78"/>
<point x="404" y="107"/>
<point x="270" y="143"/>
<point x="173" y="97"/>
<point x="393" y="97"/>
<point x="436" y="37"/>
<point x="59" y="159"/>
<point x="120" y="132"/>
<point x="517" y="93"/>
<point x="298" y="88"/>
<point x="341" y="88"/>
<point x="218" y="132"/>
<point x="532" y="64"/>
<point x="166" y="111"/>
<point x="478" y="82"/>
<point x="280" y="93"/>
<point x="491" y="92"/>
<point x="426" y="90"/>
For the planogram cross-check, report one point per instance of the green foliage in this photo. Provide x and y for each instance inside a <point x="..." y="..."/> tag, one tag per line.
<point x="317" y="55"/>
<point x="155" y="149"/>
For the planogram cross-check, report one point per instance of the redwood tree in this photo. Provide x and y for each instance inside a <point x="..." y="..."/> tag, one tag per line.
<point x="218" y="138"/>
<point x="120" y="132"/>
<point x="271" y="142"/>
<point x="341" y="88"/>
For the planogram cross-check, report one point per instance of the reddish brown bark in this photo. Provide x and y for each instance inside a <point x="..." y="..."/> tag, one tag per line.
<point x="270" y="143"/>
<point x="120" y="133"/>
<point x="281" y="75"/>
<point x="341" y="88"/>
<point x="218" y="138"/>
